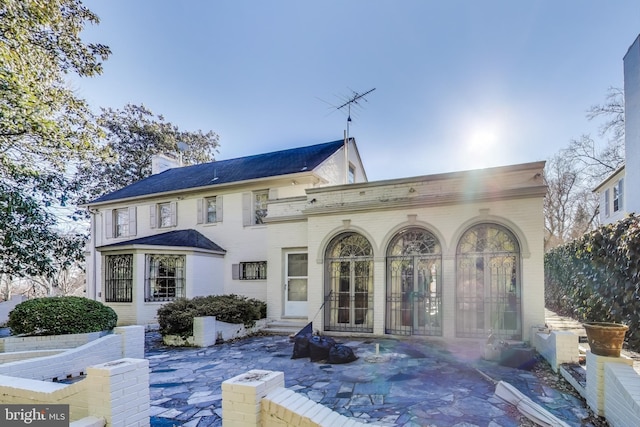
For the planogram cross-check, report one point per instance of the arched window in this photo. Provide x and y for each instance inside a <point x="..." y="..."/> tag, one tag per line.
<point x="488" y="294"/>
<point x="349" y="284"/>
<point x="414" y="291"/>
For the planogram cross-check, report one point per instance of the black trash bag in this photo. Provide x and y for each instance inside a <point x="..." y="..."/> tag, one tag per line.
<point x="301" y="342"/>
<point x="301" y="346"/>
<point x="340" y="353"/>
<point x="319" y="347"/>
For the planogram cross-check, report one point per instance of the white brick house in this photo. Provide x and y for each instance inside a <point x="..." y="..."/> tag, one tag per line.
<point x="454" y="255"/>
<point x="619" y="193"/>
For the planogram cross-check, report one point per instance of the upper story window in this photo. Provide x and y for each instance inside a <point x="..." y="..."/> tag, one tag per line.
<point x="164" y="215"/>
<point x="352" y="174"/>
<point x="211" y="214"/>
<point x="618" y="192"/>
<point x="210" y="210"/>
<point x="254" y="207"/>
<point x="260" y="199"/>
<point x="120" y="222"/>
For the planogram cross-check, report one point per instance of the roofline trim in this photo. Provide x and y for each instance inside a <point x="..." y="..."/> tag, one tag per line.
<point x="147" y="247"/>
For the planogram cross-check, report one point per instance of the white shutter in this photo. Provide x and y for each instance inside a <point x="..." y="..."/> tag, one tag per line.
<point x="132" y="221"/>
<point x="247" y="209"/>
<point x="235" y="271"/>
<point x="201" y="208"/>
<point x="108" y="223"/>
<point x="174" y="213"/>
<point x="152" y="216"/>
<point x="218" y="208"/>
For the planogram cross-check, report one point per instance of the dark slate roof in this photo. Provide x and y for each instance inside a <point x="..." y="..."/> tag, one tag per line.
<point x="283" y="162"/>
<point x="181" y="238"/>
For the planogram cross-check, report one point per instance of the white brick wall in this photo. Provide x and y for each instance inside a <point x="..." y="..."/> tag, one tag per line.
<point x="120" y="392"/>
<point x="557" y="347"/>
<point x="622" y="395"/>
<point x="258" y="398"/>
<point x="125" y="342"/>
<point x="595" y="391"/>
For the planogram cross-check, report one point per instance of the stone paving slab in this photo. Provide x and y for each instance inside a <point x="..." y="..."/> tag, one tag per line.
<point x="408" y="383"/>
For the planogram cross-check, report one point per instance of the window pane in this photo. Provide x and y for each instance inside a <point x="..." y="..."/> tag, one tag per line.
<point x="165" y="277"/>
<point x="118" y="282"/>
<point x="260" y="206"/>
<point x="297" y="290"/>
<point x="165" y="214"/>
<point x="121" y="222"/>
<point x="211" y="209"/>
<point x="297" y="265"/>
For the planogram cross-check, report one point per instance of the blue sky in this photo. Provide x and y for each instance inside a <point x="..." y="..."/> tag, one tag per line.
<point x="460" y="84"/>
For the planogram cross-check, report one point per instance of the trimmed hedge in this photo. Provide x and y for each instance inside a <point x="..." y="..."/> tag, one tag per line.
<point x="596" y="278"/>
<point x="176" y="317"/>
<point x="61" y="316"/>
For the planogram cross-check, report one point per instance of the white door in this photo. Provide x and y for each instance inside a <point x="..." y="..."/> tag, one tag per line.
<point x="295" y="286"/>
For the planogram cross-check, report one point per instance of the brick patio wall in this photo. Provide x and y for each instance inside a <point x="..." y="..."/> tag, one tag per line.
<point x="557" y="347"/>
<point x="258" y="398"/>
<point x="114" y="393"/>
<point x="126" y="341"/>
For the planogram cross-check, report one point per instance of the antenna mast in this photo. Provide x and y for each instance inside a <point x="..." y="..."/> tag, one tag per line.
<point x="355" y="97"/>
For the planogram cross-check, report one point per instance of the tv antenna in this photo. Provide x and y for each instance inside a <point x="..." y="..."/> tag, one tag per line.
<point x="354" y="99"/>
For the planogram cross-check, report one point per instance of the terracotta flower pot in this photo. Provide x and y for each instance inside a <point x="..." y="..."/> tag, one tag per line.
<point x="605" y="339"/>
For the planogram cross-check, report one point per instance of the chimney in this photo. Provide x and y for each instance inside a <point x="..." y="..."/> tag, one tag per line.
<point x="162" y="162"/>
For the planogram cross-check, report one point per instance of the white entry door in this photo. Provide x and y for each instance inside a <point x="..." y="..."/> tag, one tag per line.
<point x="295" y="286"/>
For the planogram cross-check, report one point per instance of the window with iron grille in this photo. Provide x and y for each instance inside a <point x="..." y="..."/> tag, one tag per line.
<point x="118" y="282"/>
<point x="253" y="270"/>
<point x="165" y="277"/>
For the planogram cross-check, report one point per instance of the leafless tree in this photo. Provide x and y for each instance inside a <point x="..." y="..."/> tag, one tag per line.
<point x="571" y="207"/>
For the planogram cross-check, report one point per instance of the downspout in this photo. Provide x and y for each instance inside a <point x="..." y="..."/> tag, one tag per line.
<point x="93" y="292"/>
<point x="346" y="155"/>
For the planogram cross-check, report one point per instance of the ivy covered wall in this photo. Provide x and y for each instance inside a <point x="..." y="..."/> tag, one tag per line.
<point x="597" y="277"/>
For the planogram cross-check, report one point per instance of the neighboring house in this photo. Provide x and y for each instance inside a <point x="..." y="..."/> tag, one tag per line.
<point x="611" y="197"/>
<point x="454" y="255"/>
<point x="619" y="193"/>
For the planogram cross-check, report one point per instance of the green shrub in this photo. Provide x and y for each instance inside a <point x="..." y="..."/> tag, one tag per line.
<point x="176" y="317"/>
<point x="60" y="316"/>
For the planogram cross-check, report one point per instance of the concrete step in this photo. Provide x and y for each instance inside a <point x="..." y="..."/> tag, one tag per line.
<point x="285" y="326"/>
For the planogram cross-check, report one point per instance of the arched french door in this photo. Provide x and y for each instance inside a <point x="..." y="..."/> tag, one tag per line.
<point x="488" y="289"/>
<point x="414" y="291"/>
<point x="349" y="284"/>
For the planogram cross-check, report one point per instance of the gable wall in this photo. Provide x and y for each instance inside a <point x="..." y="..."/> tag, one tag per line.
<point x="632" y="125"/>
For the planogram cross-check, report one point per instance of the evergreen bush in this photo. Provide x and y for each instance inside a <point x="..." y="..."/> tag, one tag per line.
<point x="176" y="317"/>
<point x="61" y="316"/>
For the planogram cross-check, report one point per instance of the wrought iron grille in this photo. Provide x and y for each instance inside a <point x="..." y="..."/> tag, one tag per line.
<point x="118" y="281"/>
<point x="414" y="291"/>
<point x="253" y="270"/>
<point x="165" y="279"/>
<point x="349" y="284"/>
<point x="488" y="295"/>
